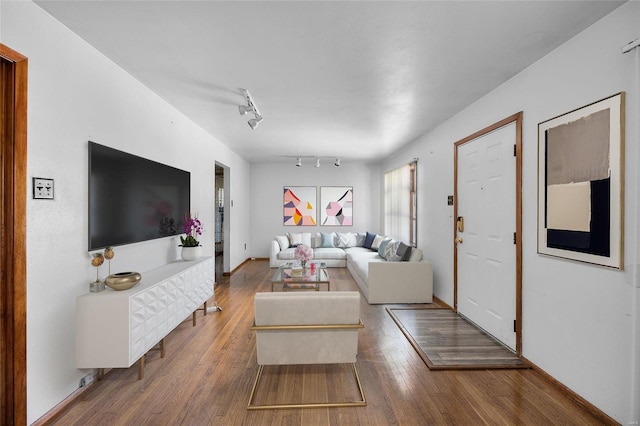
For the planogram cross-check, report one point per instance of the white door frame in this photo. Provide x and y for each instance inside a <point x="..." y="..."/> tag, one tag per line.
<point x="517" y="119"/>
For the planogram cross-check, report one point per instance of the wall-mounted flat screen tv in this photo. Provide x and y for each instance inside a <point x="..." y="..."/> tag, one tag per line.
<point x="133" y="199"/>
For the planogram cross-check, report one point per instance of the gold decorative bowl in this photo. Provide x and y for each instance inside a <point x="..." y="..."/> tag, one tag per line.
<point x="123" y="280"/>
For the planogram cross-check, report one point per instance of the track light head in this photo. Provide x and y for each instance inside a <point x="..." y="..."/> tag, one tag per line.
<point x="245" y="109"/>
<point x="317" y="162"/>
<point x="253" y="123"/>
<point x="250" y="108"/>
<point x="337" y="163"/>
<point x="298" y="162"/>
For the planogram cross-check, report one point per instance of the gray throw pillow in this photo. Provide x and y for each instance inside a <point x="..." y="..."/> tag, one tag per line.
<point x="404" y="252"/>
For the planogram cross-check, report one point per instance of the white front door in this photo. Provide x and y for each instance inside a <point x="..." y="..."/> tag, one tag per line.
<point x="486" y="251"/>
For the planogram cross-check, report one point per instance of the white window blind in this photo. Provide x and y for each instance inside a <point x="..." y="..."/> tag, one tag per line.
<point x="399" y="203"/>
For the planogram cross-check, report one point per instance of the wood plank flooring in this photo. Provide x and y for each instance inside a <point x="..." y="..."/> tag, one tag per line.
<point x="207" y="375"/>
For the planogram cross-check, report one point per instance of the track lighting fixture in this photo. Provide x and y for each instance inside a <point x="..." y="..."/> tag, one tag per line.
<point x="250" y="108"/>
<point x="299" y="160"/>
<point x="244" y="109"/>
<point x="253" y="123"/>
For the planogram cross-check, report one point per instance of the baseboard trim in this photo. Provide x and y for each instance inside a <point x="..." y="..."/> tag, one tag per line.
<point x="249" y="259"/>
<point x="61" y="407"/>
<point x="442" y="302"/>
<point x="586" y="405"/>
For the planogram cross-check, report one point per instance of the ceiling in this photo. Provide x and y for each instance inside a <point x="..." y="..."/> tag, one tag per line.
<point x="349" y="79"/>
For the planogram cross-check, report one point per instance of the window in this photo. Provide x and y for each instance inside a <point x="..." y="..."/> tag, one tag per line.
<point x="400" y="204"/>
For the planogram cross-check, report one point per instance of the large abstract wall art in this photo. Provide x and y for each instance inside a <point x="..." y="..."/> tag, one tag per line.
<point x="336" y="205"/>
<point x="300" y="205"/>
<point x="580" y="184"/>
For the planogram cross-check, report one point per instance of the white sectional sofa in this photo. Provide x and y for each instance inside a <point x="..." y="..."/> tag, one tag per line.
<point x="379" y="271"/>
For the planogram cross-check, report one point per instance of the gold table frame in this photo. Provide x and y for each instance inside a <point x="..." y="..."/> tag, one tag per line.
<point x="321" y="276"/>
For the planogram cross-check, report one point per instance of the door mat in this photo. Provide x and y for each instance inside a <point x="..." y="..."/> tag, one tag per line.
<point x="446" y="341"/>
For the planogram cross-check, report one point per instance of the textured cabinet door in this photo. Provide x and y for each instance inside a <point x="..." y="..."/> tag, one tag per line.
<point x="115" y="328"/>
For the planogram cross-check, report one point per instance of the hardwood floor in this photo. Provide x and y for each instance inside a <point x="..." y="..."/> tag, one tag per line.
<point x="207" y="375"/>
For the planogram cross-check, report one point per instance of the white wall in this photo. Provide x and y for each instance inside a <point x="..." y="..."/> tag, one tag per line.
<point x="268" y="181"/>
<point x="75" y="95"/>
<point x="580" y="322"/>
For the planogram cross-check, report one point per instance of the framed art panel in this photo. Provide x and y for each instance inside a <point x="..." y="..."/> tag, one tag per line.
<point x="299" y="206"/>
<point x="336" y="205"/>
<point x="581" y="182"/>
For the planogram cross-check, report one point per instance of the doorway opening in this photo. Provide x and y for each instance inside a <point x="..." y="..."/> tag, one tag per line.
<point x="221" y="239"/>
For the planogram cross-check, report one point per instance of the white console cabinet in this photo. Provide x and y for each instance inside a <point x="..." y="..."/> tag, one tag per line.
<point x="114" y="329"/>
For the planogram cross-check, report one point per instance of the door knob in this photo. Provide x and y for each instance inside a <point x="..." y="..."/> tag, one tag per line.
<point x="458" y="240"/>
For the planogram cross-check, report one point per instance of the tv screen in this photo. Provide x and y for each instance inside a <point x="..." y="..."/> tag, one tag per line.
<point x="132" y="199"/>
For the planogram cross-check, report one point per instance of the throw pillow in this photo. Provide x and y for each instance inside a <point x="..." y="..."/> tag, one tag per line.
<point x="416" y="255"/>
<point x="368" y="240"/>
<point x="306" y="239"/>
<point x="360" y="237"/>
<point x="404" y="252"/>
<point x="383" y="246"/>
<point x="294" y="239"/>
<point x="327" y="240"/>
<point x="283" y="242"/>
<point x="376" y="242"/>
<point x="353" y="239"/>
<point x="390" y="251"/>
<point x="342" y="240"/>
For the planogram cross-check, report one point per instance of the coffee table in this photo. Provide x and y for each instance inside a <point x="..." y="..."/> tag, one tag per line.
<point x="309" y="280"/>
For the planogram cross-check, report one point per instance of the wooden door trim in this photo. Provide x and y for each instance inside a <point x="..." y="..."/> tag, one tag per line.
<point x="14" y="235"/>
<point x="517" y="119"/>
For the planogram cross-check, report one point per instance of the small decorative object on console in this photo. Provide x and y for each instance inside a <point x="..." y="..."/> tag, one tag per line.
<point x="109" y="254"/>
<point x="191" y="248"/>
<point x="123" y="280"/>
<point x="96" y="286"/>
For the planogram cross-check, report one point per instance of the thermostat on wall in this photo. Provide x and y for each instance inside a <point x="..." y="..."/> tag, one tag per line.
<point x="42" y="188"/>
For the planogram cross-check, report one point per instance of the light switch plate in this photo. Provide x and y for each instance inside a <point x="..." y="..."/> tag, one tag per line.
<point x="42" y="188"/>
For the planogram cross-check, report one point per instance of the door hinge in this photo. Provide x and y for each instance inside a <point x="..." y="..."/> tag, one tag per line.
<point x="514" y="238"/>
<point x="515" y="150"/>
<point x="514" y="326"/>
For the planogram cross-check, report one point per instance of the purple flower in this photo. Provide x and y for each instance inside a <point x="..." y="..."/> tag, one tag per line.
<point x="192" y="227"/>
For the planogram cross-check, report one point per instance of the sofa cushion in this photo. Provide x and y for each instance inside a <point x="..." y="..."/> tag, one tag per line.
<point x="361" y="268"/>
<point x="287" y="254"/>
<point x="360" y="237"/>
<point x="368" y="240"/>
<point x="357" y="253"/>
<point x="404" y="252"/>
<point x="356" y="250"/>
<point x="323" y="253"/>
<point x="283" y="242"/>
<point x="327" y="239"/>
